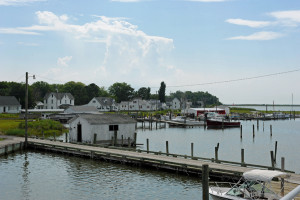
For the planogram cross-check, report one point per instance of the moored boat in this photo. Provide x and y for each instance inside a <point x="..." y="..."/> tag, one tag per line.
<point x="255" y="184"/>
<point x="221" y="123"/>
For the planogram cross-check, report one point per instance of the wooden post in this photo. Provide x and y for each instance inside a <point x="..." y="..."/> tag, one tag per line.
<point x="129" y="142"/>
<point x="272" y="159"/>
<point x="192" y="149"/>
<point x="135" y="138"/>
<point x="147" y="145"/>
<point x="241" y="132"/>
<point x="253" y="131"/>
<point x="242" y="157"/>
<point x="167" y="148"/>
<point x="115" y="138"/>
<point x="95" y="138"/>
<point x="218" y="145"/>
<point x="263" y="126"/>
<point x="66" y="134"/>
<point x="282" y="180"/>
<point x="122" y="140"/>
<point x="112" y="141"/>
<point x="205" y="182"/>
<point x="257" y="124"/>
<point x="271" y="130"/>
<point x="216" y="154"/>
<point x="275" y="151"/>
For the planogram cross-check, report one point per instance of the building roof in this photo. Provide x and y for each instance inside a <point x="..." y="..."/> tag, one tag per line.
<point x="81" y="109"/>
<point x="59" y="96"/>
<point x="9" y="101"/>
<point x="96" y="119"/>
<point x="105" y="101"/>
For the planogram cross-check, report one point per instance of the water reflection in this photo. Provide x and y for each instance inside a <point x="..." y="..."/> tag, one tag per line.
<point x="50" y="176"/>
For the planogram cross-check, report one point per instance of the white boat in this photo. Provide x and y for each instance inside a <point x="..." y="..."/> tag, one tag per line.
<point x="255" y="184"/>
<point x="188" y="121"/>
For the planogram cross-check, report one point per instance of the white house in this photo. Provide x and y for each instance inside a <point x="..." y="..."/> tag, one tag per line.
<point x="175" y="104"/>
<point x="56" y="100"/>
<point x="100" y="128"/>
<point x="135" y="105"/>
<point x="9" y="104"/>
<point x="104" y="104"/>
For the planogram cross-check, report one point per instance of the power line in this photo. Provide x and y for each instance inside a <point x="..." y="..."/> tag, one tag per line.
<point x="235" y="80"/>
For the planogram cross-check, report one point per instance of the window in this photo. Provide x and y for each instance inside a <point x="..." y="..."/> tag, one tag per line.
<point x="113" y="127"/>
<point x="94" y="101"/>
<point x="52" y="101"/>
<point x="70" y="101"/>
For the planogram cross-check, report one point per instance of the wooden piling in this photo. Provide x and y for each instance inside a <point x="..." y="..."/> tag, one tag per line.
<point x="275" y="151"/>
<point x="253" y="131"/>
<point x="257" y="124"/>
<point x="115" y="137"/>
<point x="135" y="138"/>
<point x="205" y="182"/>
<point x="282" y="180"/>
<point x="122" y="140"/>
<point x="263" y="126"/>
<point x="66" y="134"/>
<point x="272" y="159"/>
<point x="129" y="144"/>
<point x="271" y="130"/>
<point x="95" y="138"/>
<point x="192" y="149"/>
<point x="241" y="131"/>
<point x="242" y="157"/>
<point x="167" y="147"/>
<point x="147" y="145"/>
<point x="216" y="154"/>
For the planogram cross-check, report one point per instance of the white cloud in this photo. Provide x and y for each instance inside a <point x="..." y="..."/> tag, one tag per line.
<point x="264" y="35"/>
<point x="129" y="52"/>
<point x="17" y="2"/>
<point x="18" y="31"/>
<point x="289" y="18"/>
<point x="64" y="61"/>
<point x="250" y="23"/>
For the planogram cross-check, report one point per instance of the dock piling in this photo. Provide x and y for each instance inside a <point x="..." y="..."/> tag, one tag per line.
<point x="147" y="145"/>
<point x="282" y="180"/>
<point x="192" y="149"/>
<point x="241" y="131"/>
<point x="205" y="182"/>
<point x="243" y="158"/>
<point x="271" y="130"/>
<point x="275" y="151"/>
<point x="272" y="160"/>
<point x="95" y="138"/>
<point x="167" y="148"/>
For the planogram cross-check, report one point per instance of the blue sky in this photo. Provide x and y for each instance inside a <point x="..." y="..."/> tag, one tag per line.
<point x="185" y="43"/>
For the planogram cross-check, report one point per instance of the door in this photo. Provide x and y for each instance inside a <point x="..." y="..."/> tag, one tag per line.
<point x="79" y="133"/>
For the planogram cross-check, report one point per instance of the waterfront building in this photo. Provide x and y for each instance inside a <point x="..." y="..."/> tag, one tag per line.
<point x="9" y="104"/>
<point x="100" y="128"/>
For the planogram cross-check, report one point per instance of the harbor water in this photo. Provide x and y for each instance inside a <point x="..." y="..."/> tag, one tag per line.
<point x="44" y="175"/>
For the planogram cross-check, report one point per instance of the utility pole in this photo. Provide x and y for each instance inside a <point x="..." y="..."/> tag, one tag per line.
<point x="26" y="110"/>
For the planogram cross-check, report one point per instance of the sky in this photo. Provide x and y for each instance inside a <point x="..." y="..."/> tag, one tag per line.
<point x="242" y="51"/>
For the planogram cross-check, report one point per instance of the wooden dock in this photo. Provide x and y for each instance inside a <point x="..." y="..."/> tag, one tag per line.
<point x="177" y="163"/>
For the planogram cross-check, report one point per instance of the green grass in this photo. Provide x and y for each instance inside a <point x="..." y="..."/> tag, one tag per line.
<point x="35" y="128"/>
<point x="8" y="116"/>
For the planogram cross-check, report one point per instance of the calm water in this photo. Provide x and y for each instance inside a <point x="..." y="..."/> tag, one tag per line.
<point x="257" y="150"/>
<point x="36" y="175"/>
<point x="272" y="108"/>
<point x="39" y="175"/>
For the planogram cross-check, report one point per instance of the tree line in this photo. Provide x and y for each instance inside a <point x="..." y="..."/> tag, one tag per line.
<point x="84" y="93"/>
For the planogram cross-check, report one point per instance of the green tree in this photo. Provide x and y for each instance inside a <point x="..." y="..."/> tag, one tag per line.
<point x="121" y="91"/>
<point x="77" y="89"/>
<point x="144" y="93"/>
<point x="162" y="92"/>
<point x="39" y="90"/>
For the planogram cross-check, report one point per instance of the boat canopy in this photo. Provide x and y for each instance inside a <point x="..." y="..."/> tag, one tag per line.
<point x="263" y="175"/>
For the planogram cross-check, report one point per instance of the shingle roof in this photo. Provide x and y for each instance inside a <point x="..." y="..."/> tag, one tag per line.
<point x="59" y="96"/>
<point x="106" y="118"/>
<point x="82" y="109"/>
<point x="105" y="101"/>
<point x="9" y="101"/>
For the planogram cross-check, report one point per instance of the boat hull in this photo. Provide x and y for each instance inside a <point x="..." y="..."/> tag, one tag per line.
<point x="220" y="124"/>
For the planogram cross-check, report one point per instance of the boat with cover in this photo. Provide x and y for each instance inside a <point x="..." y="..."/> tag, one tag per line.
<point x="255" y="184"/>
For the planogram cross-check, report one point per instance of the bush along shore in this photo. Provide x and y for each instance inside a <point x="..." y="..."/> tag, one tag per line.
<point x="36" y="128"/>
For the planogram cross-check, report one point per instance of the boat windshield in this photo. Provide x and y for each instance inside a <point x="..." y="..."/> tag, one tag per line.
<point x="251" y="190"/>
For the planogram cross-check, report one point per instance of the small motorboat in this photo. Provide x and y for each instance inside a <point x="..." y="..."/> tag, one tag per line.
<point x="221" y="123"/>
<point x="255" y="184"/>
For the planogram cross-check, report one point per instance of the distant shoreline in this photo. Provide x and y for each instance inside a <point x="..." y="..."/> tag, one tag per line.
<point x="288" y="105"/>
